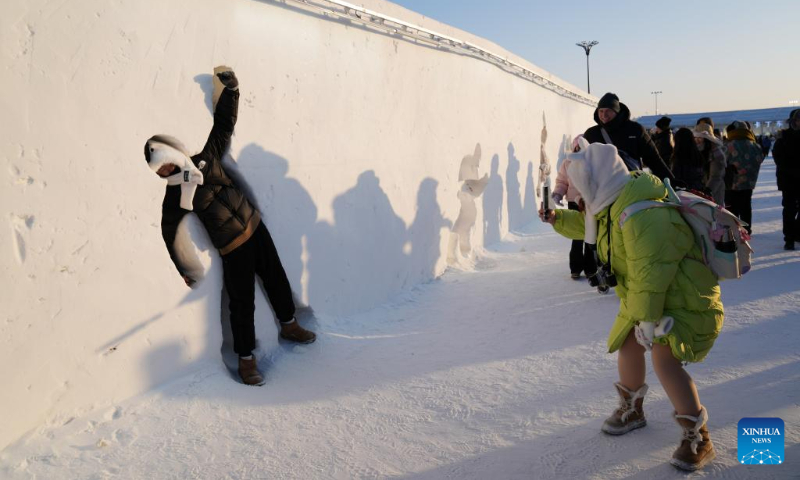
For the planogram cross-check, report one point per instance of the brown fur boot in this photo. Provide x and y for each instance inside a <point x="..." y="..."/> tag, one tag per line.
<point x="630" y="414"/>
<point x="293" y="332"/>
<point x="248" y="371"/>
<point x="696" y="448"/>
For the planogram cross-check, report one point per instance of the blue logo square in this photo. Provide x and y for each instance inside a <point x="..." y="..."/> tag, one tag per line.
<point x="761" y="441"/>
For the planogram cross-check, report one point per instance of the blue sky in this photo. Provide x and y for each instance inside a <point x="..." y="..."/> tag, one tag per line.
<point x="703" y="55"/>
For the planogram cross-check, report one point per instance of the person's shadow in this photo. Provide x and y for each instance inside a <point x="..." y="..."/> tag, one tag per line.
<point x="529" y="208"/>
<point x="344" y="257"/>
<point x="424" y="234"/>
<point x="513" y="190"/>
<point x="285" y="205"/>
<point x="493" y="204"/>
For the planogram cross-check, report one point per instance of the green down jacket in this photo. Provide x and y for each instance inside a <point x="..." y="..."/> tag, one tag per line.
<point x="659" y="270"/>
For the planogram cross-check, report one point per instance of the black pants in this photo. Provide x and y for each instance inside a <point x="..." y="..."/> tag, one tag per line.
<point x="791" y="215"/>
<point x="256" y="256"/>
<point x="739" y="202"/>
<point x="581" y="257"/>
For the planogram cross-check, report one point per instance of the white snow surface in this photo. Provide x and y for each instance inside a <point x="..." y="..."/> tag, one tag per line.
<point x="499" y="371"/>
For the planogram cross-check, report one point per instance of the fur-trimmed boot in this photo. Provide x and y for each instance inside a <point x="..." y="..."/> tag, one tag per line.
<point x="696" y="448"/>
<point x="629" y="415"/>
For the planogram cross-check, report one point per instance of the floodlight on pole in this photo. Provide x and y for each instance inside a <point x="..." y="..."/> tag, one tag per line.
<point x="587" y="46"/>
<point x="656" y="94"/>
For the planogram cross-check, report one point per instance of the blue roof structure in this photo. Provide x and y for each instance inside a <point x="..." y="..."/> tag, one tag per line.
<point x="721" y="118"/>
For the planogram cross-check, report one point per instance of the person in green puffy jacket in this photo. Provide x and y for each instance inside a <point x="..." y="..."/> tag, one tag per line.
<point x="662" y="283"/>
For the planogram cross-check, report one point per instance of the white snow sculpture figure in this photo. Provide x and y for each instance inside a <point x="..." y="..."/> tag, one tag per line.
<point x="472" y="188"/>
<point x="544" y="162"/>
<point x="164" y="150"/>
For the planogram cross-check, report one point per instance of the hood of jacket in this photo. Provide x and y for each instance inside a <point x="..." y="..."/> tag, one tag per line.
<point x="599" y="175"/>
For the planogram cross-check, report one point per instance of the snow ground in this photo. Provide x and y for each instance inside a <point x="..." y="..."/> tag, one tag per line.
<point x="495" y="372"/>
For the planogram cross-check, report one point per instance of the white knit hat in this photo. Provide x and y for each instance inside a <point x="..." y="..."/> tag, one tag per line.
<point x="599" y="175"/>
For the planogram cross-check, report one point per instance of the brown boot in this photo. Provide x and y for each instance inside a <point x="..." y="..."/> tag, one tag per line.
<point x="696" y="448"/>
<point x="629" y="415"/>
<point x="248" y="371"/>
<point x="293" y="332"/>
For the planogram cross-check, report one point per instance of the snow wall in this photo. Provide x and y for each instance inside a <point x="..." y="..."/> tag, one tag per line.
<point x="350" y="140"/>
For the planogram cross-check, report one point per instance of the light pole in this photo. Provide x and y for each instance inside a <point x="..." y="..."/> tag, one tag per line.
<point x="587" y="46"/>
<point x="656" y="94"/>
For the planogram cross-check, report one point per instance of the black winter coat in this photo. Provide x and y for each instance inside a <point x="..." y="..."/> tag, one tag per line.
<point x="228" y="217"/>
<point x="631" y="137"/>
<point x="664" y="144"/>
<point x="786" y="153"/>
<point x="691" y="176"/>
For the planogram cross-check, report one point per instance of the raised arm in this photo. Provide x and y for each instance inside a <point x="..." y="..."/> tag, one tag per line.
<point x="224" y="118"/>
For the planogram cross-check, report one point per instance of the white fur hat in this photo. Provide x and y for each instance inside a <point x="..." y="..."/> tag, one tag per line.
<point x="161" y="150"/>
<point x="599" y="175"/>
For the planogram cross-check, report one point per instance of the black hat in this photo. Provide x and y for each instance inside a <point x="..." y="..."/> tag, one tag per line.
<point x="609" y="100"/>
<point x="706" y="120"/>
<point x="663" y="123"/>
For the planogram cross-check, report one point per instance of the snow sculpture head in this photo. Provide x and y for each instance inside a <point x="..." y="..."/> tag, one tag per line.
<point x="469" y="165"/>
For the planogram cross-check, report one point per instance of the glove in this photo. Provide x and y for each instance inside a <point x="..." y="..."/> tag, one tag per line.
<point x="645" y="332"/>
<point x="228" y="79"/>
<point x="558" y="198"/>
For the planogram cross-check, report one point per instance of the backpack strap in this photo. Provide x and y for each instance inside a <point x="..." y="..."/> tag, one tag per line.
<point x="606" y="137"/>
<point x="637" y="207"/>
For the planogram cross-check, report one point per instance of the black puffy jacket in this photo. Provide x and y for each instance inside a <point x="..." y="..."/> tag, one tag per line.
<point x="631" y="137"/>
<point x="229" y="218"/>
<point x="786" y="153"/>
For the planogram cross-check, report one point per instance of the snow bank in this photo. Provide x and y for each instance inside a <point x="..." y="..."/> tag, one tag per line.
<point x="349" y="139"/>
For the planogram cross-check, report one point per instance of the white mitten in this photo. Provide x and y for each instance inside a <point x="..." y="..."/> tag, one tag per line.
<point x="663" y="326"/>
<point x="645" y="332"/>
<point x="558" y="198"/>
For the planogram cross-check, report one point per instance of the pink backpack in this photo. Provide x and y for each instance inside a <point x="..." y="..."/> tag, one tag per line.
<point x="719" y="233"/>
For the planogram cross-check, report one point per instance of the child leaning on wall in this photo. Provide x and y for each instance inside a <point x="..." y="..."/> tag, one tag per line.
<point x="200" y="183"/>
<point x="661" y="282"/>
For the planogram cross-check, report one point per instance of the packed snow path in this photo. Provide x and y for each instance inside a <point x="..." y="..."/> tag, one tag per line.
<point x="500" y="372"/>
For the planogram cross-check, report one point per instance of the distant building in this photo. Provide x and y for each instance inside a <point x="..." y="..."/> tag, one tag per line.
<point x="764" y="120"/>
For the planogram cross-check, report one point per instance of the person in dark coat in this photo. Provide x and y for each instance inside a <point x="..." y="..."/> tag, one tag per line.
<point x="786" y="153"/>
<point x="687" y="161"/>
<point x="628" y="136"/>
<point x="200" y="183"/>
<point x="663" y="138"/>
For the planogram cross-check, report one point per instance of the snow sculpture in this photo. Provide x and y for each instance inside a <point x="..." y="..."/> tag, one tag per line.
<point x="472" y="188"/>
<point x="544" y="167"/>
